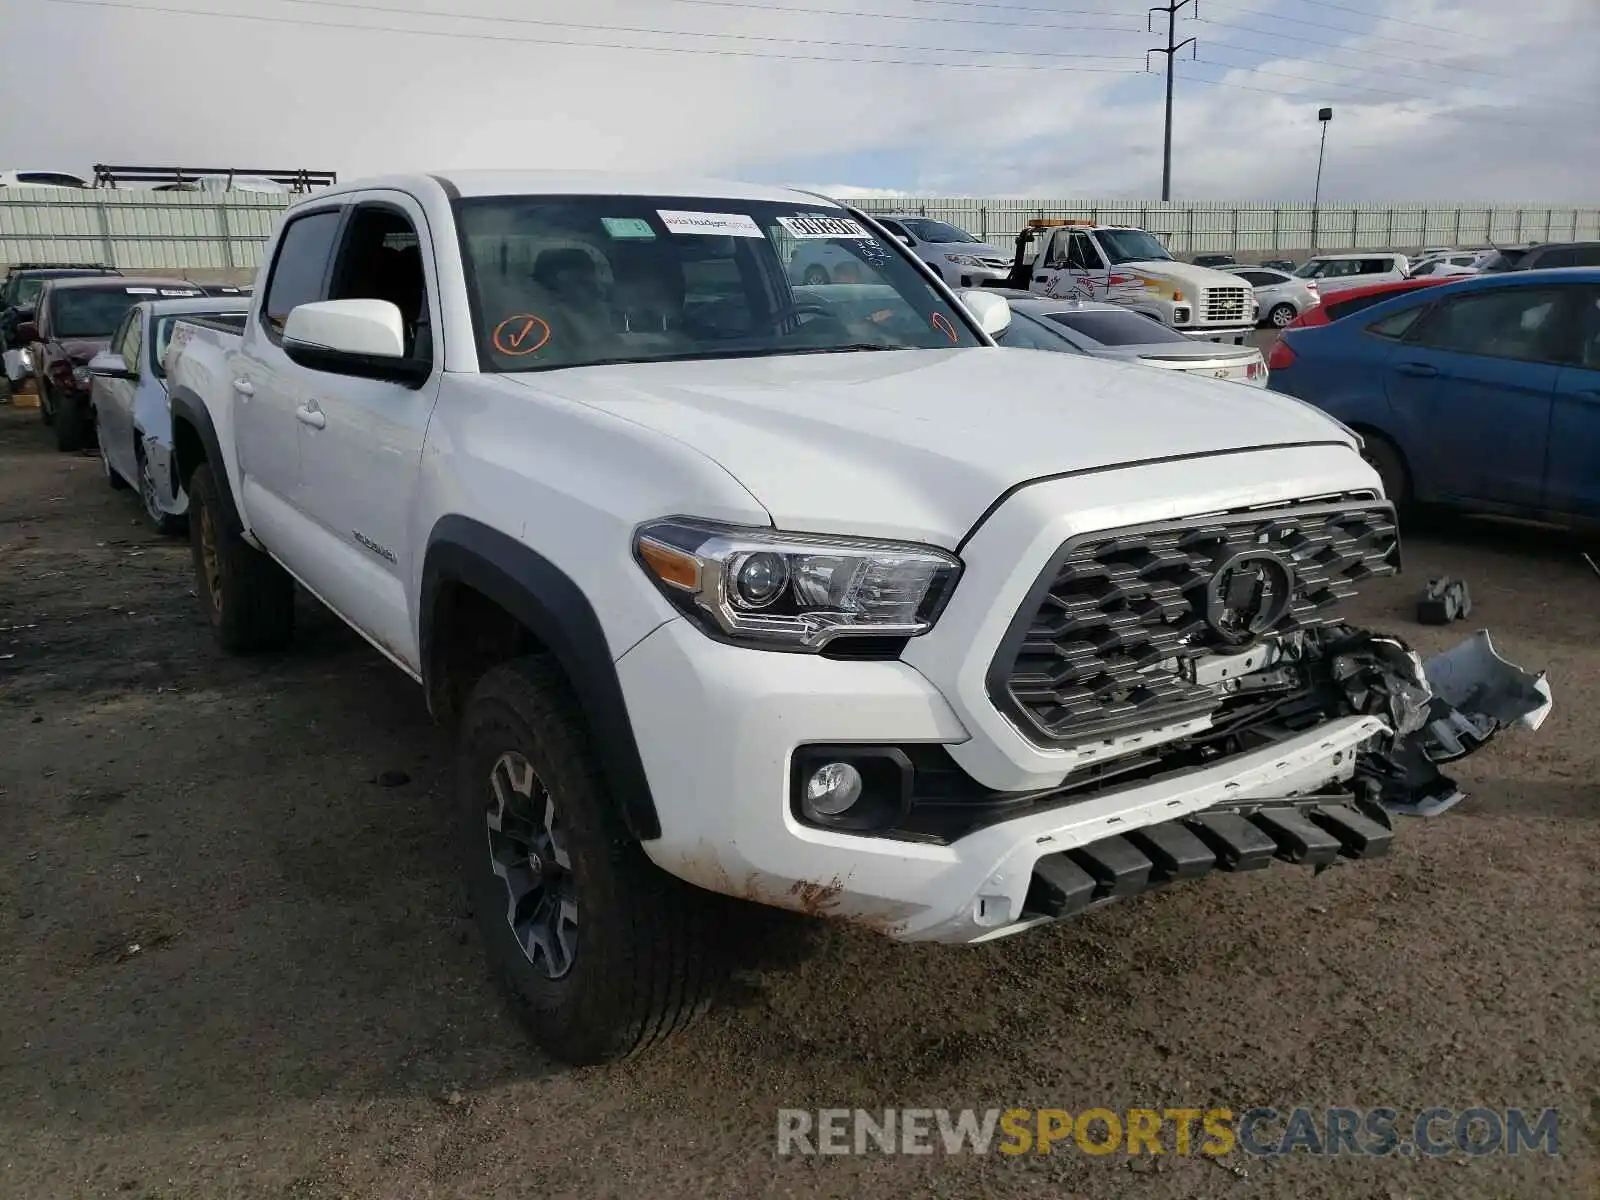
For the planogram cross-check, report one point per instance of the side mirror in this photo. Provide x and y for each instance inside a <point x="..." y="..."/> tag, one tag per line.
<point x="364" y="338"/>
<point x="27" y="330"/>
<point x="107" y="365"/>
<point x="906" y="240"/>
<point x="992" y="312"/>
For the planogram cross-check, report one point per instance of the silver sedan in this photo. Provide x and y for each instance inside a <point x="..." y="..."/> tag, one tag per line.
<point x="128" y="396"/>
<point x="1111" y="331"/>
<point x="1280" y="296"/>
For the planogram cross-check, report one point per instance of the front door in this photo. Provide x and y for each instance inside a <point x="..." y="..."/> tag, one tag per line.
<point x="1572" y="483"/>
<point x="1472" y="386"/>
<point x="361" y="453"/>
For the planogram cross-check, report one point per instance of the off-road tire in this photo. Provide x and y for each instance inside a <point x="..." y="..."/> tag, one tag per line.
<point x="73" y="427"/>
<point x="1281" y="316"/>
<point x="647" y="959"/>
<point x="246" y="598"/>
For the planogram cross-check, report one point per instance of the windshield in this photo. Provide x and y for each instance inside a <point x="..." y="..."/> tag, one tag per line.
<point x="1131" y="245"/>
<point x="1330" y="268"/>
<point x="935" y="231"/>
<point x="90" y="312"/>
<point x="1125" y="328"/>
<point x="571" y="281"/>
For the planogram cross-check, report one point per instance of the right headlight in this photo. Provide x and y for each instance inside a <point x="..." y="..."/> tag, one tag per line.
<point x="794" y="591"/>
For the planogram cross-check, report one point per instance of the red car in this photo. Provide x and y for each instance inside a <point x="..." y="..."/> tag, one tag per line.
<point x="1350" y="300"/>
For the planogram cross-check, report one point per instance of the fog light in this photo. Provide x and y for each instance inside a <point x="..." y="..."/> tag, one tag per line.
<point x="832" y="789"/>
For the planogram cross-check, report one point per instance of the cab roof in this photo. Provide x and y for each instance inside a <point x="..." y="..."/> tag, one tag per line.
<point x="479" y="183"/>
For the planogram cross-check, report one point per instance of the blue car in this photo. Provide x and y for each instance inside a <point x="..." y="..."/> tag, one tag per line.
<point x="1482" y="395"/>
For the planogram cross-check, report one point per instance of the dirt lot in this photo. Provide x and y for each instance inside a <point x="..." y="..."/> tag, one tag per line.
<point x="236" y="961"/>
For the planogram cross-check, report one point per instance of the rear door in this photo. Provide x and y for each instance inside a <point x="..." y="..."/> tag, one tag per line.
<point x="1573" y="477"/>
<point x="269" y="389"/>
<point x="1471" y="389"/>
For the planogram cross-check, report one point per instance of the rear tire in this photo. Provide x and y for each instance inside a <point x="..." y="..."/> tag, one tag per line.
<point x="1281" y="316"/>
<point x="601" y="952"/>
<point x="47" y="408"/>
<point x="1384" y="457"/>
<point x="247" y="599"/>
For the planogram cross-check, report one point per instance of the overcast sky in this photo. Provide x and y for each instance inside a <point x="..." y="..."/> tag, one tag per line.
<point x="1434" y="99"/>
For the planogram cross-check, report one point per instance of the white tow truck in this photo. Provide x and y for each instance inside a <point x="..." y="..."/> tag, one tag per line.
<point x="814" y="597"/>
<point x="1065" y="258"/>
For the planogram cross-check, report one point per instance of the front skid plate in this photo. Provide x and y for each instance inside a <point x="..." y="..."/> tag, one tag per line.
<point x="1307" y="833"/>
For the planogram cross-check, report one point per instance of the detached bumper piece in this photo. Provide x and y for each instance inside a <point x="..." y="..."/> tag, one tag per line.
<point x="1114" y="868"/>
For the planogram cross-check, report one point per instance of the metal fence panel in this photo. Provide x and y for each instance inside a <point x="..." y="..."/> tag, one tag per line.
<point x="226" y="233"/>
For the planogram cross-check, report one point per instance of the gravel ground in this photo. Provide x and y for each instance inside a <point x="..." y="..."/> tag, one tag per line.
<point x="236" y="961"/>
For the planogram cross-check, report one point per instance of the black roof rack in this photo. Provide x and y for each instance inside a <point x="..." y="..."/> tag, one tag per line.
<point x="299" y="180"/>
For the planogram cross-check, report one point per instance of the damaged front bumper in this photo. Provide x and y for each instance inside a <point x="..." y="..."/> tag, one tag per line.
<point x="1433" y="713"/>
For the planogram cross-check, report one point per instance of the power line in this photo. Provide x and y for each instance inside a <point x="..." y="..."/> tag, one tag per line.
<point x="1360" y="33"/>
<point x="796" y="10"/>
<point x="740" y="37"/>
<point x="1325" y="45"/>
<point x="719" y="52"/>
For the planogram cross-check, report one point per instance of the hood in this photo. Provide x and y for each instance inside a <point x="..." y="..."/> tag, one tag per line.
<point x="1189" y="276"/>
<point x="917" y="444"/>
<point x="81" y="350"/>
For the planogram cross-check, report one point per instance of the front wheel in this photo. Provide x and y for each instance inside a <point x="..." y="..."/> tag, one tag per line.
<point x="161" y="521"/>
<point x="1281" y="315"/>
<point x="247" y="599"/>
<point x="73" y="427"/>
<point x="600" y="951"/>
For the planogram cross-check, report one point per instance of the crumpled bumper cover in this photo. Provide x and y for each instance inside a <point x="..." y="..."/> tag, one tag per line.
<point x="1439" y="711"/>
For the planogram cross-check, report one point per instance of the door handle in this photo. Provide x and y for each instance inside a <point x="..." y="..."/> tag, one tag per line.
<point x="243" y="387"/>
<point x="1420" y="370"/>
<point x="313" y="417"/>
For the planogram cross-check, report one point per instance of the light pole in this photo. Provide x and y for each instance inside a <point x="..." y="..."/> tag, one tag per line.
<point x="1324" y="115"/>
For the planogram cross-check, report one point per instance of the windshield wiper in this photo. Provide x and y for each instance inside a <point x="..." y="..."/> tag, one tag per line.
<point x="840" y="349"/>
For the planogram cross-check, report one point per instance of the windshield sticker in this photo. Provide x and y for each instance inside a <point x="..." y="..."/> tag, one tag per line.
<point x="180" y="291"/>
<point x="943" y="325"/>
<point x="140" y="291"/>
<point x="629" y="227"/>
<point x="520" y="335"/>
<point x="817" y="226"/>
<point x="715" y="224"/>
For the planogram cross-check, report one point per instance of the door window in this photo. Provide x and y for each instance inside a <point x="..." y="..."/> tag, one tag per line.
<point x="1261" y="278"/>
<point x="1520" y="323"/>
<point x="381" y="259"/>
<point x="1081" y="254"/>
<point x="119" y="339"/>
<point x="300" y="270"/>
<point x="133" y="342"/>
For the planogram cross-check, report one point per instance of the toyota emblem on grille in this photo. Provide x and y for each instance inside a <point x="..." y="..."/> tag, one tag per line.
<point x="1249" y="594"/>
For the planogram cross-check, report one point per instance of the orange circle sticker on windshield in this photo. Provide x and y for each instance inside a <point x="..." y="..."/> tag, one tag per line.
<point x="521" y="334"/>
<point x="943" y="325"/>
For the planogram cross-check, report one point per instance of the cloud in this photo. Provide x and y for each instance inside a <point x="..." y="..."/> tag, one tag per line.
<point x="1459" y="100"/>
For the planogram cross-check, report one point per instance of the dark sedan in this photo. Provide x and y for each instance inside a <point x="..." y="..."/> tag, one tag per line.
<point x="74" y="321"/>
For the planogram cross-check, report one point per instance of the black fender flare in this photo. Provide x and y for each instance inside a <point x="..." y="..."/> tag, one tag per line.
<point x="554" y="609"/>
<point x="188" y="407"/>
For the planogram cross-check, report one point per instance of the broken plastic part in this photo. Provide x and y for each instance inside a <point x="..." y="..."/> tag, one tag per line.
<point x="1444" y="600"/>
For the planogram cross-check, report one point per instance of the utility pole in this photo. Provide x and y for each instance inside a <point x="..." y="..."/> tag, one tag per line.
<point x="1324" y="115"/>
<point x="1171" y="51"/>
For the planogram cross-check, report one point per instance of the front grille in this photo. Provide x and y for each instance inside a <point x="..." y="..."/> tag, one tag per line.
<point x="1226" y="304"/>
<point x="1097" y="647"/>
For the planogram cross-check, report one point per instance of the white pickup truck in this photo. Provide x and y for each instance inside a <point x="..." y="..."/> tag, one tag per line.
<point x="1069" y="259"/>
<point x="813" y="597"/>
